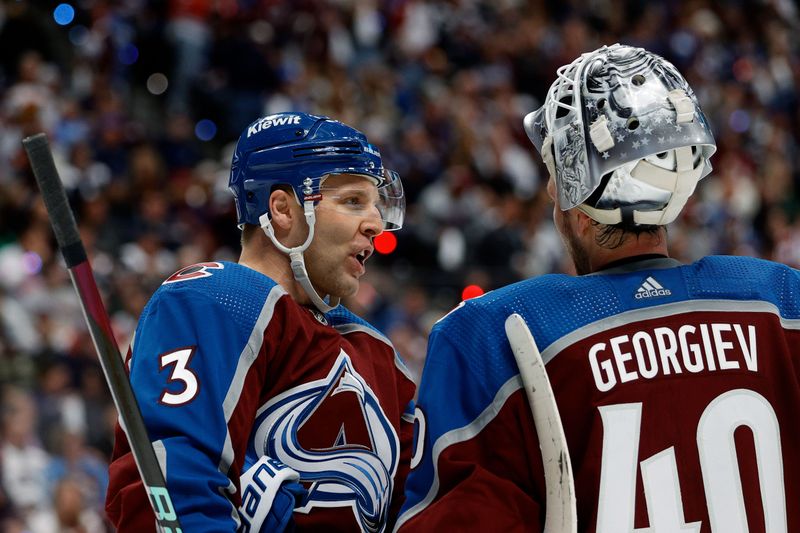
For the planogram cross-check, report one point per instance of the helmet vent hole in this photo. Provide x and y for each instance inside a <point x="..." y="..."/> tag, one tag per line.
<point x="661" y="155"/>
<point x="638" y="80"/>
<point x="250" y="195"/>
<point x="562" y="111"/>
<point x="601" y="103"/>
<point x="633" y="123"/>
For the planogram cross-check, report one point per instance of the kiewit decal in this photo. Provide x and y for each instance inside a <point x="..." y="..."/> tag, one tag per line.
<point x="272" y="120"/>
<point x="335" y="434"/>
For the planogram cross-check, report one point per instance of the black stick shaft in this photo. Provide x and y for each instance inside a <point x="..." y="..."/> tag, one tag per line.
<point x="69" y="240"/>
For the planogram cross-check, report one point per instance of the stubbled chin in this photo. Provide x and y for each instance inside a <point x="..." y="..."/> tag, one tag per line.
<point x="341" y="281"/>
<point x="347" y="290"/>
<point x="348" y="284"/>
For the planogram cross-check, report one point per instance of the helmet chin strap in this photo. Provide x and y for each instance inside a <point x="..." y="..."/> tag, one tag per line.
<point x="296" y="257"/>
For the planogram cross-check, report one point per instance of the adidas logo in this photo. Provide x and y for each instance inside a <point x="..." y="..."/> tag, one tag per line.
<point x="650" y="288"/>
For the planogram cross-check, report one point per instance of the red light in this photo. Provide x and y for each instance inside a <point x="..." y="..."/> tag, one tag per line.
<point x="471" y="291"/>
<point x="385" y="243"/>
<point x="743" y="70"/>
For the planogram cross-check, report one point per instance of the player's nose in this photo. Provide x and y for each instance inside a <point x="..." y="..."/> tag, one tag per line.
<point x="372" y="224"/>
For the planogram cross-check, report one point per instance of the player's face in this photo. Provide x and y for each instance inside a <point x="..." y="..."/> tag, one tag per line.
<point x="347" y="221"/>
<point x="565" y="225"/>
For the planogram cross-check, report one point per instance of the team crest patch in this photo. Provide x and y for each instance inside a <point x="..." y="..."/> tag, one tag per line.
<point x="200" y="270"/>
<point x="334" y="433"/>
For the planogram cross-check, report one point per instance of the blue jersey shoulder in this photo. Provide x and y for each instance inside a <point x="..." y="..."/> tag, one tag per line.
<point x="556" y="304"/>
<point x="553" y="305"/>
<point x="342" y="315"/>
<point x="746" y="278"/>
<point x="345" y="321"/>
<point x="342" y="318"/>
<point x="240" y="291"/>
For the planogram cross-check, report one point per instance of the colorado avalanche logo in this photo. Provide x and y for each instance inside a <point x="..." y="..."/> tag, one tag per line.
<point x="335" y="434"/>
<point x="200" y="270"/>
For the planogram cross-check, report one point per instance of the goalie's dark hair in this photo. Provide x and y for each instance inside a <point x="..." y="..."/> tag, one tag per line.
<point x="613" y="236"/>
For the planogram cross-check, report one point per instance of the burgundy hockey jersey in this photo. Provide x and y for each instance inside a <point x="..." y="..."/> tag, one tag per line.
<point x="227" y="367"/>
<point x="678" y="387"/>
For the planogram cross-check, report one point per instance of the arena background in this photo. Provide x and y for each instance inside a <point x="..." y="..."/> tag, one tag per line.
<point x="142" y="100"/>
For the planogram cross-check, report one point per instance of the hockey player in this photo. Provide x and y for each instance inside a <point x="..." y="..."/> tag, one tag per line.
<point x="268" y="405"/>
<point x="677" y="384"/>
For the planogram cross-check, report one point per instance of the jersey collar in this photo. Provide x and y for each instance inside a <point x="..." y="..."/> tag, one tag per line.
<point x="638" y="262"/>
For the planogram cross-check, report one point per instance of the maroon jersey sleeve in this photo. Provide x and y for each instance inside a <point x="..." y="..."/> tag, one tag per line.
<point x="482" y="487"/>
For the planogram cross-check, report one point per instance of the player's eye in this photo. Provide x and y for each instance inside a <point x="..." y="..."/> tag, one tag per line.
<point x="354" y="201"/>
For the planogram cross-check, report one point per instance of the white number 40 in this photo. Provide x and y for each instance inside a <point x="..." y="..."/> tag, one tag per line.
<point x="717" y="451"/>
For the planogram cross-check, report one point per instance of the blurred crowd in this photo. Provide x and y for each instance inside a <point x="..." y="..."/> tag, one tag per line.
<point x="142" y="101"/>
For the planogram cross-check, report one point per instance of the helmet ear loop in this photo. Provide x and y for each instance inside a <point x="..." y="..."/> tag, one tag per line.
<point x="548" y="155"/>
<point x="296" y="256"/>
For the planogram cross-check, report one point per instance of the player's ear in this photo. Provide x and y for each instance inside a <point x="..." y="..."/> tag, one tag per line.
<point x="584" y="223"/>
<point x="281" y="204"/>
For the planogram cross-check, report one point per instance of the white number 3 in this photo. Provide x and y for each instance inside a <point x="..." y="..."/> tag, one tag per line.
<point x="179" y="358"/>
<point x="718" y="462"/>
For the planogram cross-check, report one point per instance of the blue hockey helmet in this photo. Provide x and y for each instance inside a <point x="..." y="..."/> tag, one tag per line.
<point x="301" y="150"/>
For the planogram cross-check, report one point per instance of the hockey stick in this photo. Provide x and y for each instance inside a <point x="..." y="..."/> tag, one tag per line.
<point x="560" y="512"/>
<point x="80" y="271"/>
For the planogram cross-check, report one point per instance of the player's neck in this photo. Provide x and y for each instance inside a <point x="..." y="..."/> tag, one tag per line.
<point x="632" y="246"/>
<point x="275" y="265"/>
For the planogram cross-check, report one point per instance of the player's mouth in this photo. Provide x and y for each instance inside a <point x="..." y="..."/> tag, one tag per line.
<point x="360" y="257"/>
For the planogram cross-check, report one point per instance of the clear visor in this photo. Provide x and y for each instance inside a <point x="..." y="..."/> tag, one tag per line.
<point x="363" y="199"/>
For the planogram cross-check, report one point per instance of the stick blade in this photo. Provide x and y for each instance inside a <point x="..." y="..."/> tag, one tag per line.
<point x="561" y="512"/>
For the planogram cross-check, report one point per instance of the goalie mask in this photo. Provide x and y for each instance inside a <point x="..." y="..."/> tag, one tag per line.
<point x="623" y="136"/>
<point x="300" y="151"/>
